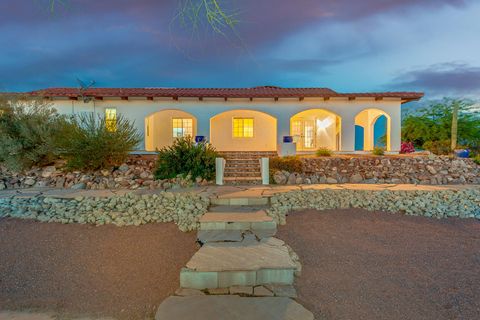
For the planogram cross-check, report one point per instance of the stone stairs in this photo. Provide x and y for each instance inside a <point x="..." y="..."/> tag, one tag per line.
<point x="240" y="268"/>
<point x="244" y="166"/>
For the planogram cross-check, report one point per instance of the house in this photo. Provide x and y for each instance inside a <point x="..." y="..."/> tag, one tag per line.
<point x="248" y="119"/>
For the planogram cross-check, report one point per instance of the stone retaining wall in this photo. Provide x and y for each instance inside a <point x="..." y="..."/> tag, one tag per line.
<point x="136" y="173"/>
<point x="182" y="208"/>
<point x="438" y="203"/>
<point x="387" y="169"/>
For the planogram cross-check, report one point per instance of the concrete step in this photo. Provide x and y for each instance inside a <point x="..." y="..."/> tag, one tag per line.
<point x="223" y="208"/>
<point x="240" y="201"/>
<point x="244" y="174"/>
<point x="246" y="263"/>
<point x="227" y="223"/>
<point x="206" y="307"/>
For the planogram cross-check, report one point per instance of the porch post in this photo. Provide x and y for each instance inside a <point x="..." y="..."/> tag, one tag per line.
<point x="395" y="129"/>
<point x="348" y="133"/>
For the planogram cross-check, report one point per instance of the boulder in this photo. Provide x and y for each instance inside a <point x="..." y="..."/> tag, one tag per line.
<point x="356" y="178"/>
<point x="48" y="171"/>
<point x="79" y="186"/>
<point x="279" y="177"/>
<point x="30" y="181"/>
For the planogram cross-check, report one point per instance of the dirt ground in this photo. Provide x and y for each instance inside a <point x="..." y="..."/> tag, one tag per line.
<point x="364" y="265"/>
<point x="82" y="270"/>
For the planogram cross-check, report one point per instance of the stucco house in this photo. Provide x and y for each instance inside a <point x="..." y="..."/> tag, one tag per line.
<point x="247" y="119"/>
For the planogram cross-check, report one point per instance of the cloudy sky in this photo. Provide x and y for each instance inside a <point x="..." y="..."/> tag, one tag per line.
<point x="347" y="45"/>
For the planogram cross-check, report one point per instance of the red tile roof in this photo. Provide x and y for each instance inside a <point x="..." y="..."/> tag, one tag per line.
<point x="255" y="92"/>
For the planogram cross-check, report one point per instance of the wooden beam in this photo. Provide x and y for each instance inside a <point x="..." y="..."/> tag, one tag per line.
<point x="225" y="98"/>
<point x="276" y="98"/>
<point x="351" y="98"/>
<point x="301" y="98"/>
<point x="150" y="98"/>
<point x="251" y="99"/>
<point x="98" y="98"/>
<point x="124" y="98"/>
<point x="73" y="98"/>
<point x="200" y="98"/>
<point x="326" y="98"/>
<point x="378" y="98"/>
<point x="175" y="98"/>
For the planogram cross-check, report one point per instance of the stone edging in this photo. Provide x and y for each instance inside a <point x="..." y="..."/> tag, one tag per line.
<point x="182" y="208"/>
<point x="438" y="203"/>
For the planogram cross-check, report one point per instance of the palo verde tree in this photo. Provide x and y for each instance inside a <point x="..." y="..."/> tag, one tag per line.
<point x="432" y="126"/>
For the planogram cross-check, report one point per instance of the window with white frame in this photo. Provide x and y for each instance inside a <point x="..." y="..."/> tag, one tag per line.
<point x="182" y="127"/>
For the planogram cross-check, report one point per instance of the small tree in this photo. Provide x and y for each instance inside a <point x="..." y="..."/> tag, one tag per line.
<point x="185" y="157"/>
<point x="29" y="129"/>
<point x="88" y="141"/>
<point x="434" y="124"/>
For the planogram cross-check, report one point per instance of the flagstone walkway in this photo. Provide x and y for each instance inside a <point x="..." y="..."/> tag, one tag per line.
<point x="241" y="271"/>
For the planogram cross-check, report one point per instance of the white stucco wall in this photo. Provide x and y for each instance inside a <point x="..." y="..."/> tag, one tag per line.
<point x="264" y="132"/>
<point x="283" y="109"/>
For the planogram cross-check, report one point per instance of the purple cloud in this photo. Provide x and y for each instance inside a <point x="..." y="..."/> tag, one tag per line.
<point x="445" y="79"/>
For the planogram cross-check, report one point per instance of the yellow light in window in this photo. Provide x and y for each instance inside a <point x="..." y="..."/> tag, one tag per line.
<point x="242" y="127"/>
<point x="111" y="119"/>
<point x="182" y="127"/>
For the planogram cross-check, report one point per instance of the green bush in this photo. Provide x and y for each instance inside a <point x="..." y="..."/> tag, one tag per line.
<point x="28" y="132"/>
<point x="476" y="159"/>
<point x="88" y="142"/>
<point x="185" y="157"/>
<point x="290" y="164"/>
<point x="378" y="151"/>
<point x="324" y="152"/>
<point x="438" y="147"/>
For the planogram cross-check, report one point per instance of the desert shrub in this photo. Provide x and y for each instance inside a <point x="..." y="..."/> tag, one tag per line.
<point x="407" y="147"/>
<point x="29" y="129"/>
<point x="290" y="164"/>
<point x="476" y="159"/>
<point x="439" y="147"/>
<point x="378" y="151"/>
<point x="187" y="158"/>
<point x="87" y="142"/>
<point x="324" y="152"/>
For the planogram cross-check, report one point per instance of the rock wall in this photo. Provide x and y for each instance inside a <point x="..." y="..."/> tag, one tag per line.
<point x="438" y="204"/>
<point x="182" y="208"/>
<point x="136" y="173"/>
<point x="387" y="169"/>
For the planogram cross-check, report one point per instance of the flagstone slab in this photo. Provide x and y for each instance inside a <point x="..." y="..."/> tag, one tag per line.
<point x="256" y="216"/>
<point x="241" y="256"/>
<point x="231" y="307"/>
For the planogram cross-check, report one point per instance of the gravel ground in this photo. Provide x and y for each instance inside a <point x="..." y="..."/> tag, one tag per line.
<point x="80" y="270"/>
<point x="373" y="265"/>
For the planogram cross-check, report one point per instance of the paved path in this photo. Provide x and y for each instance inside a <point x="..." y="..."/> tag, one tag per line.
<point x="228" y="191"/>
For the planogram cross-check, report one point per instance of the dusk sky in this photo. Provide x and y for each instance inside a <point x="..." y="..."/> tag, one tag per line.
<point x="349" y="46"/>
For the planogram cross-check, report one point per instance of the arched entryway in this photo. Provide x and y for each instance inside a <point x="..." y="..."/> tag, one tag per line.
<point x="243" y="130"/>
<point x="163" y="127"/>
<point x="372" y="129"/>
<point x="316" y="128"/>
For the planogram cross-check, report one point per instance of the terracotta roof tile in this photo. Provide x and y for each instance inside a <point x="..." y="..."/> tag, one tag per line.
<point x="255" y="92"/>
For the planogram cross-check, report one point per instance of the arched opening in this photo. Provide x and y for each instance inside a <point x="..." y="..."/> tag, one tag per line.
<point x="243" y="130"/>
<point x="163" y="127"/>
<point x="316" y="128"/>
<point x="376" y="126"/>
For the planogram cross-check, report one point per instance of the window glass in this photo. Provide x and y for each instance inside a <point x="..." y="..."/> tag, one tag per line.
<point x="242" y="127"/>
<point x="182" y="127"/>
<point x="111" y="119"/>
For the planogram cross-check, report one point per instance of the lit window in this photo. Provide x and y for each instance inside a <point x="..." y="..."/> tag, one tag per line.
<point x="182" y="127"/>
<point x="111" y="119"/>
<point x="243" y="127"/>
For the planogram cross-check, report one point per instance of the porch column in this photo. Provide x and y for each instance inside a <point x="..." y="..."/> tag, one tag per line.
<point x="348" y="133"/>
<point x="395" y="129"/>
<point x="203" y="125"/>
<point x="283" y="127"/>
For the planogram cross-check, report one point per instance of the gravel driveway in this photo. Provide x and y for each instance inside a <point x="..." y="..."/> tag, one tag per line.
<point x="364" y="265"/>
<point x="79" y="270"/>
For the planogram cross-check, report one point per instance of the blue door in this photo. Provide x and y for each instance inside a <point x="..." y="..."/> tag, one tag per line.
<point x="359" y="136"/>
